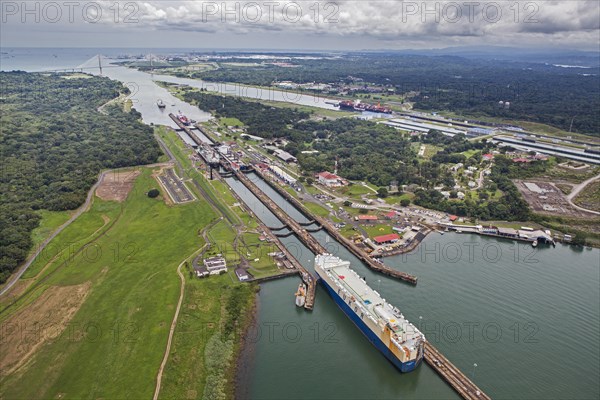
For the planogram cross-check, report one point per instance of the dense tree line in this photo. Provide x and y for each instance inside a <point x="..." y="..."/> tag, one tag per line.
<point x="537" y="92"/>
<point x="54" y="142"/>
<point x="511" y="206"/>
<point x="261" y="120"/>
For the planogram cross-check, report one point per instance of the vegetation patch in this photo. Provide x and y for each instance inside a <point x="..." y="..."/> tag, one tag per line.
<point x="589" y="197"/>
<point x="54" y="142"/>
<point x="44" y="320"/>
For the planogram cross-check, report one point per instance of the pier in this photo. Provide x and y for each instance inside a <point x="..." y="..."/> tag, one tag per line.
<point x="355" y="250"/>
<point x="452" y="375"/>
<point x="187" y="130"/>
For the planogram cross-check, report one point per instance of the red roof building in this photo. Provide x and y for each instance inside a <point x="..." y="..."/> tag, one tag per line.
<point x="392" y="237"/>
<point x="390" y="215"/>
<point x="330" y="180"/>
<point x="488" y="156"/>
<point x="453" y="218"/>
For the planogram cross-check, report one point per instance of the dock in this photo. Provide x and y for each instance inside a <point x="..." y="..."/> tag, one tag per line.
<point x="297" y="267"/>
<point x="187" y="130"/>
<point x="452" y="375"/>
<point x="355" y="250"/>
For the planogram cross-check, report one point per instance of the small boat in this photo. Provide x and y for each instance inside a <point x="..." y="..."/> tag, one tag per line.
<point x="161" y="104"/>
<point x="301" y="295"/>
<point x="534" y="243"/>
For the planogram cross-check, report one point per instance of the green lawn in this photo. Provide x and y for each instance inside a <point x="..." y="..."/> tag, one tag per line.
<point x="50" y="221"/>
<point x="589" y="197"/>
<point x="317" y="209"/>
<point x="377" y="229"/>
<point x="134" y="290"/>
<point x="231" y="122"/>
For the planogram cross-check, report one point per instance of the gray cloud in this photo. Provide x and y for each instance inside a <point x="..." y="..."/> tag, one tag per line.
<point x="383" y="22"/>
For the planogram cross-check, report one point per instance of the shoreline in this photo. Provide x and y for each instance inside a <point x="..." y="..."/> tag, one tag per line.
<point x="244" y="354"/>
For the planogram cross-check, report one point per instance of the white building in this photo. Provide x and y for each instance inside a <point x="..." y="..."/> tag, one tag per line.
<point x="215" y="265"/>
<point x="281" y="174"/>
<point x="330" y="180"/>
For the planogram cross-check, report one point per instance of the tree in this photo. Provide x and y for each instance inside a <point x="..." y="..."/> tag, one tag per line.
<point x="405" y="202"/>
<point x="382" y="192"/>
<point x="152" y="193"/>
<point x="578" y="240"/>
<point x="310" y="181"/>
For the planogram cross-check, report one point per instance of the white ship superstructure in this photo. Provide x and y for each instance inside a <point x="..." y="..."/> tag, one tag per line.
<point x="383" y="324"/>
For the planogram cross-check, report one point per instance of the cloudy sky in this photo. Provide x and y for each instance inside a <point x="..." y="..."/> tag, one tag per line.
<point x="319" y="25"/>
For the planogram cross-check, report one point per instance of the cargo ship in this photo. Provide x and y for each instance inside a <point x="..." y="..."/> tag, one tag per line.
<point x="383" y="324"/>
<point x="184" y="120"/>
<point x="358" y="106"/>
<point x="301" y="295"/>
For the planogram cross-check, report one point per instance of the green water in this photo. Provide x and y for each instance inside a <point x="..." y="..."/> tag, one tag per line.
<point x="529" y="319"/>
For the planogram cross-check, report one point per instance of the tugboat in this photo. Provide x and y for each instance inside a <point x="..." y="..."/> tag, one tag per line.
<point x="301" y="295"/>
<point x="184" y="120"/>
<point x="161" y="104"/>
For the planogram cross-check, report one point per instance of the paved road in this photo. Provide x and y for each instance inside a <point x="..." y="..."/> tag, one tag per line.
<point x="581" y="186"/>
<point x="577" y="189"/>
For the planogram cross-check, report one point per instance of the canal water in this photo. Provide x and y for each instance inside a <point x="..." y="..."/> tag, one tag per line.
<point x="522" y="323"/>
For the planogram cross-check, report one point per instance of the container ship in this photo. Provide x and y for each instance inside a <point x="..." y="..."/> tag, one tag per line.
<point x="383" y="324"/>
<point x="358" y="106"/>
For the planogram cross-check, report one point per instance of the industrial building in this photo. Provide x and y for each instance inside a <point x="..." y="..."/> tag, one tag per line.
<point x="281" y="174"/>
<point x="215" y="265"/>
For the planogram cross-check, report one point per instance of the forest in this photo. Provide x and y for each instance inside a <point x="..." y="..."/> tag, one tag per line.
<point x="54" y="142"/>
<point x="366" y="151"/>
<point x="561" y="97"/>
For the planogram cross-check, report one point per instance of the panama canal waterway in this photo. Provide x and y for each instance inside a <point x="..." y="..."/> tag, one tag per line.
<point x="529" y="319"/>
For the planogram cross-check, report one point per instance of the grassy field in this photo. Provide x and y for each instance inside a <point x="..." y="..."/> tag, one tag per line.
<point x="589" y="197"/>
<point x="558" y="172"/>
<point x="116" y="339"/>
<point x="231" y="122"/>
<point x="377" y="229"/>
<point x="50" y="221"/>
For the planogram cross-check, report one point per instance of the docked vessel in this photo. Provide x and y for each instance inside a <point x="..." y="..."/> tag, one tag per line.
<point x="184" y="120"/>
<point x="383" y="324"/>
<point x="301" y="295"/>
<point x="359" y="106"/>
<point x="161" y="104"/>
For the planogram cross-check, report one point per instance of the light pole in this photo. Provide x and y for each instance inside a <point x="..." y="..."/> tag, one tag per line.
<point x="473" y="374"/>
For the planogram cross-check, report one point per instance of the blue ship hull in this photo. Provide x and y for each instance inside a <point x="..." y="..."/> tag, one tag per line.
<point x="373" y="338"/>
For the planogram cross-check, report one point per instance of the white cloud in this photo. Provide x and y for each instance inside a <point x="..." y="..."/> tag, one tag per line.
<point x="436" y="23"/>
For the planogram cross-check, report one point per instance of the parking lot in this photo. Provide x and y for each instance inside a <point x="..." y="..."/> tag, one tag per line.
<point x="176" y="189"/>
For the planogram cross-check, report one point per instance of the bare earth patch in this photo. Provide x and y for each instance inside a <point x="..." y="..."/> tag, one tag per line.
<point x="548" y="199"/>
<point x="42" y="321"/>
<point x="116" y="185"/>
